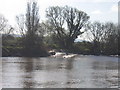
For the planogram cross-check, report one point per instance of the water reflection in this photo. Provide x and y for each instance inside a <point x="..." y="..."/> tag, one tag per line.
<point x="0" y="73"/>
<point x="27" y="67"/>
<point x="81" y="72"/>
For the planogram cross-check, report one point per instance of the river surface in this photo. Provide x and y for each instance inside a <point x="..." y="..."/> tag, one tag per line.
<point x="78" y="72"/>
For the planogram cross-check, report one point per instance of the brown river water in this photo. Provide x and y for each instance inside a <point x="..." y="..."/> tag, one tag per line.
<point x="78" y="72"/>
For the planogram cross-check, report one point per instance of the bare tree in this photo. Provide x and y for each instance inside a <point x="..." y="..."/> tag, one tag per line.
<point x="5" y="28"/>
<point x="111" y="38"/>
<point x="98" y="32"/>
<point x="103" y="35"/>
<point x="3" y="23"/>
<point x="30" y="29"/>
<point x="67" y="23"/>
<point x="21" y="24"/>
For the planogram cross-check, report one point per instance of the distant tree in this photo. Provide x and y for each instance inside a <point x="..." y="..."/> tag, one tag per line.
<point x="67" y="23"/>
<point x="103" y="36"/>
<point x="98" y="32"/>
<point x="5" y="28"/>
<point x="21" y="25"/>
<point x="31" y="31"/>
<point x="3" y="23"/>
<point x="111" y="38"/>
<point x="118" y="28"/>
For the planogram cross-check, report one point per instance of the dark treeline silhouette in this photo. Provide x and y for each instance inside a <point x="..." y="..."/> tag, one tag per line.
<point x="72" y="18"/>
<point x="105" y="37"/>
<point x="31" y="31"/>
<point x="59" y="31"/>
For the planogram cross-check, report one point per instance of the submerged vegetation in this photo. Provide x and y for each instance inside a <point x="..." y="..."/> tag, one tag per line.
<point x="59" y="32"/>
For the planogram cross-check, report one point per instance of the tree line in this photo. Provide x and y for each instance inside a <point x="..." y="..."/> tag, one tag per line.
<point x="62" y="27"/>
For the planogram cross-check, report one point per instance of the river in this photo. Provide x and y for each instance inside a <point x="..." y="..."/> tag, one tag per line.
<point x="78" y="72"/>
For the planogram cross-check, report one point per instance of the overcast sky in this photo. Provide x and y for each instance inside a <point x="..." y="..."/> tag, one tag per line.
<point x="98" y="10"/>
<point x="102" y="10"/>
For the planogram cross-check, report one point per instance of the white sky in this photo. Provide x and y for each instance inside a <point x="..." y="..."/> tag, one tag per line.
<point x="102" y="10"/>
<point x="98" y="10"/>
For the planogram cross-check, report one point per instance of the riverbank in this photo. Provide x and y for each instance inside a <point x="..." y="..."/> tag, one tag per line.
<point x="17" y="52"/>
<point x="21" y="52"/>
<point x="63" y="54"/>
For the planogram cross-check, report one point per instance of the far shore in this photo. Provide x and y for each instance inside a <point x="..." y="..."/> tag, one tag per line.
<point x="57" y="54"/>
